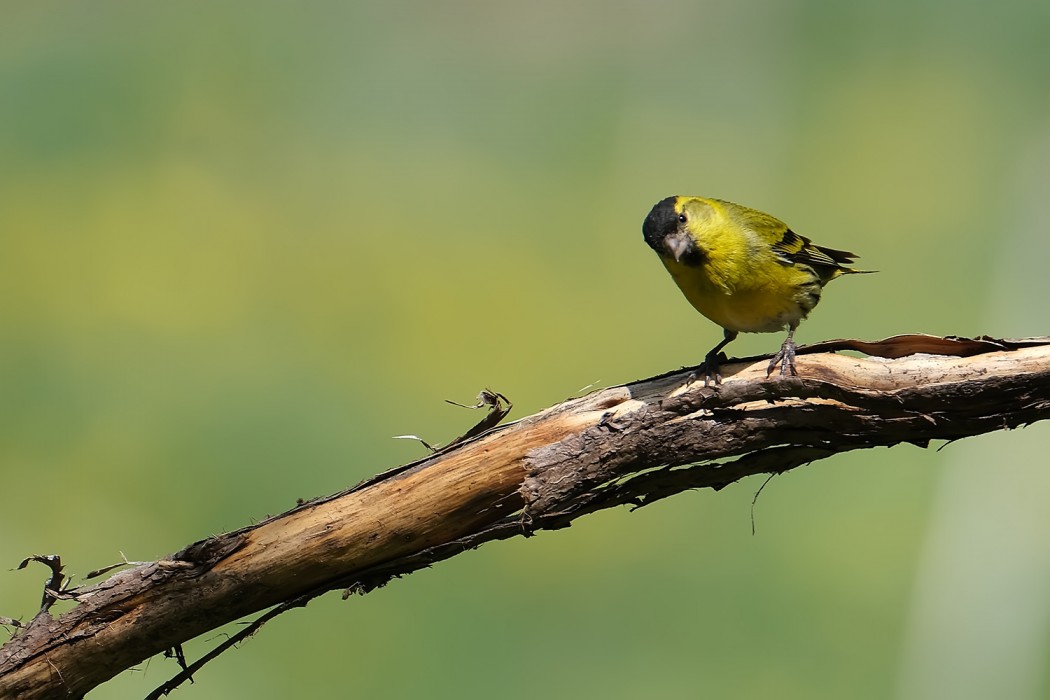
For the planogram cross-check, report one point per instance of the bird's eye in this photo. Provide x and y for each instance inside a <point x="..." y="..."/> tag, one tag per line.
<point x="681" y="217"/>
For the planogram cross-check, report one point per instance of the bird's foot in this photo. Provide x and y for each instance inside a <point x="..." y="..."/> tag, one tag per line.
<point x="785" y="358"/>
<point x="710" y="368"/>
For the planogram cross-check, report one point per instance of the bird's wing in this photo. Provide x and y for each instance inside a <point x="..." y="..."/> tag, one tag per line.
<point x="794" y="248"/>
<point x="787" y="245"/>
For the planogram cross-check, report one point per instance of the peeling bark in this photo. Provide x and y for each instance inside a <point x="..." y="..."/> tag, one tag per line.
<point x="631" y="444"/>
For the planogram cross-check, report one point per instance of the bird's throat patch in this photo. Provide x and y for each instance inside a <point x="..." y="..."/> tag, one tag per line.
<point x="693" y="257"/>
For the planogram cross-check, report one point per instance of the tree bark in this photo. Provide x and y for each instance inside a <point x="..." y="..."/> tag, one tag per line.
<point x="630" y="444"/>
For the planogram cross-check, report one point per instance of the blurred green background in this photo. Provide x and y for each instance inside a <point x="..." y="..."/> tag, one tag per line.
<point x="244" y="244"/>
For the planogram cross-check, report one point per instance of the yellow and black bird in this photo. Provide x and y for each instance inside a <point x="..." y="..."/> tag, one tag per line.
<point x="743" y="269"/>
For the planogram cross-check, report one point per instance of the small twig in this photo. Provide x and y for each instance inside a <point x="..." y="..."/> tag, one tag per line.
<point x="755" y="500"/>
<point x="179" y="655"/>
<point x="497" y="412"/>
<point x="53" y="588"/>
<point x="188" y="670"/>
<point x="106" y="569"/>
<point x="418" y="439"/>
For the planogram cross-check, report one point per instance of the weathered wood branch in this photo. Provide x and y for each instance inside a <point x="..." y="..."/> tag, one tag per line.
<point x="631" y="444"/>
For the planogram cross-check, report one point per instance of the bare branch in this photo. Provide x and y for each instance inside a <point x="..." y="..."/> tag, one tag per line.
<point x="632" y="444"/>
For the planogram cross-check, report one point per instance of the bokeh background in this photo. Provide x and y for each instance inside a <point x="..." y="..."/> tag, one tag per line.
<point x="242" y="245"/>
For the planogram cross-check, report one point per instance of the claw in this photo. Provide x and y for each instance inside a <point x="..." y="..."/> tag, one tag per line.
<point x="710" y="368"/>
<point x="785" y="357"/>
<point x="715" y="358"/>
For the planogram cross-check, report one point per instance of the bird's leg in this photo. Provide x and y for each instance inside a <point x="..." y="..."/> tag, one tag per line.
<point x="711" y="361"/>
<point x="786" y="357"/>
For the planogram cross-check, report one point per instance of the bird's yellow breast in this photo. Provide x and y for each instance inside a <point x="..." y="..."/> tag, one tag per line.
<point x="757" y="301"/>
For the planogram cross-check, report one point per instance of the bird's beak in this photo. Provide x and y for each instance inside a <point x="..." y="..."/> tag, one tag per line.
<point x="678" y="244"/>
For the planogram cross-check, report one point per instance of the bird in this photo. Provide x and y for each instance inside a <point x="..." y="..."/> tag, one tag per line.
<point x="743" y="269"/>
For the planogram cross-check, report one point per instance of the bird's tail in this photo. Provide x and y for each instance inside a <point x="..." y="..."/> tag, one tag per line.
<point x="843" y="259"/>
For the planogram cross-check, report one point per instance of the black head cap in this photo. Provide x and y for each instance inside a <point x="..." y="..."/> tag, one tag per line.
<point x="662" y="220"/>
